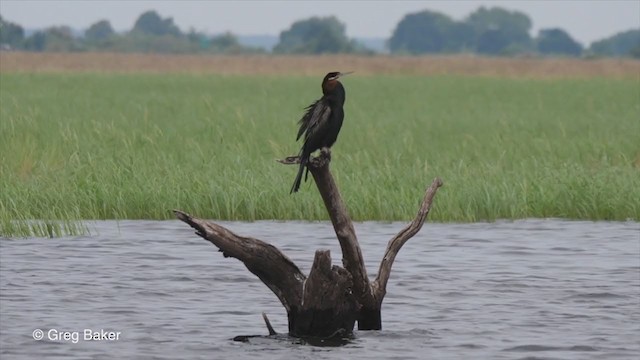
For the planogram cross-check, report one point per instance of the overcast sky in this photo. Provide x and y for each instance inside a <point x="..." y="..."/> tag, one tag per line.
<point x="585" y="20"/>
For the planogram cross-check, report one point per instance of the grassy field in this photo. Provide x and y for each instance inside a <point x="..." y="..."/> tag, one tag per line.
<point x="316" y="66"/>
<point x="133" y="146"/>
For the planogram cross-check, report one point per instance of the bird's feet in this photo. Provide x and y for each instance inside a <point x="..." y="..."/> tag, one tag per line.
<point x="325" y="153"/>
<point x="323" y="158"/>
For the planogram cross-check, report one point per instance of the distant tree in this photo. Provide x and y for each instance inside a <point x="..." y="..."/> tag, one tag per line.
<point x="192" y="42"/>
<point x="229" y="43"/>
<point x="36" y="42"/>
<point x="425" y="32"/>
<point x="11" y="34"/>
<point x="315" y="36"/>
<point x="635" y="52"/>
<point x="200" y="40"/>
<point x="60" y="38"/>
<point x="557" y="41"/>
<point x="620" y="44"/>
<point x="150" y="23"/>
<point x="461" y="37"/>
<point x="99" y="31"/>
<point x="493" y="42"/>
<point x="225" y="41"/>
<point x="56" y="38"/>
<point x="499" y="31"/>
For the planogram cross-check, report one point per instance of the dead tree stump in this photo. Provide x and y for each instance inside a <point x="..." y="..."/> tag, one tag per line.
<point x="332" y="298"/>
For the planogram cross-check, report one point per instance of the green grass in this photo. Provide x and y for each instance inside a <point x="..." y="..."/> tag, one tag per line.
<point x="97" y="146"/>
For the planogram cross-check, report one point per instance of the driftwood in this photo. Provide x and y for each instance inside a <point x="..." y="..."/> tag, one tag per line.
<point x="332" y="298"/>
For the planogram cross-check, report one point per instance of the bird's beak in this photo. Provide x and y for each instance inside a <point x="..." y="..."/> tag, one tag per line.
<point x="344" y="74"/>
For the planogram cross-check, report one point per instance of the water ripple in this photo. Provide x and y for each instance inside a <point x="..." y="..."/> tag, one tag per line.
<point x="551" y="348"/>
<point x="536" y="289"/>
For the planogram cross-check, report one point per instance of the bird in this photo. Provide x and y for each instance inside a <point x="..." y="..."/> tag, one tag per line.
<point x="321" y="122"/>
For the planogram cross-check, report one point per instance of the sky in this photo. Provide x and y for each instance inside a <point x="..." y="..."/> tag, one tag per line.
<point x="585" y="20"/>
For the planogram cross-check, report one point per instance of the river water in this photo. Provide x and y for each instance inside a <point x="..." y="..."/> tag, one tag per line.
<point x="532" y="289"/>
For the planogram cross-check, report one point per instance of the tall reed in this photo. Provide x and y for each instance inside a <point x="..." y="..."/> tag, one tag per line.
<point x="105" y="146"/>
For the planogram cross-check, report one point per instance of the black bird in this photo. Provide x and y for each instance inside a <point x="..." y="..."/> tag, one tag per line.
<point x="322" y="121"/>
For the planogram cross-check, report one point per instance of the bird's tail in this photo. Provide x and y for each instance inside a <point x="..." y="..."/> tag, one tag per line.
<point x="296" y="183"/>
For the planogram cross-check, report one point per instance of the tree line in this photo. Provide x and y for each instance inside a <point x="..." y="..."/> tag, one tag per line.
<point x="489" y="31"/>
<point x="497" y="31"/>
<point x="150" y="33"/>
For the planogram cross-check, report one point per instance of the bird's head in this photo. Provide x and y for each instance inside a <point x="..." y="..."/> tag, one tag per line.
<point x="331" y="80"/>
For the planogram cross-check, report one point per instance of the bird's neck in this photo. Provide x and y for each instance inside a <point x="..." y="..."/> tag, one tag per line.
<point x="337" y="94"/>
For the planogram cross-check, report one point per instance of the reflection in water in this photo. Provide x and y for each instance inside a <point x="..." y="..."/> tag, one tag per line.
<point x="535" y="288"/>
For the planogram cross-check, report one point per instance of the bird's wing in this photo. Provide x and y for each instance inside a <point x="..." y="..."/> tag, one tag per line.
<point x="316" y="115"/>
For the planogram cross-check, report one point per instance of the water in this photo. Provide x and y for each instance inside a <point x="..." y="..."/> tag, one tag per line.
<point x="535" y="289"/>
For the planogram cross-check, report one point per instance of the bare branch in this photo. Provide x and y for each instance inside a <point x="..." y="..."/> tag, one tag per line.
<point x="352" y="258"/>
<point x="380" y="284"/>
<point x="275" y="270"/>
<point x="290" y="160"/>
<point x="268" y="323"/>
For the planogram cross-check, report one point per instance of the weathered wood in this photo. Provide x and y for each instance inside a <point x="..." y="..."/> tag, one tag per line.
<point x="352" y="259"/>
<point x="265" y="261"/>
<point x="322" y="305"/>
<point x="395" y="244"/>
<point x="332" y="298"/>
<point x="329" y="305"/>
<point x="268" y="323"/>
<point x="369" y="294"/>
<point x="371" y="318"/>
